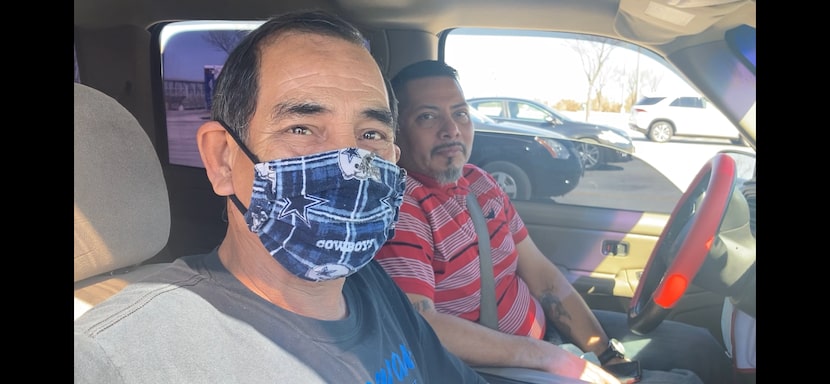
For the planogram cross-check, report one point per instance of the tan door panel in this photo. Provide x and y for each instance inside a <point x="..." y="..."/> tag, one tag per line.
<point x="603" y="251"/>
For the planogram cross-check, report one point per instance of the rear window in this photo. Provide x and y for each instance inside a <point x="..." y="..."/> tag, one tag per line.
<point x="688" y="102"/>
<point x="192" y="56"/>
<point x="649" y="100"/>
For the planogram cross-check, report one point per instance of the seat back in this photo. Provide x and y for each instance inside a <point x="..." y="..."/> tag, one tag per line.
<point x="122" y="210"/>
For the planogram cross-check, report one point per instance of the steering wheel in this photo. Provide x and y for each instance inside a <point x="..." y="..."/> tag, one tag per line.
<point x="683" y="245"/>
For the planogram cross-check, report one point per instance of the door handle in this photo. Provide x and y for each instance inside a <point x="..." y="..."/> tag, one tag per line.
<point x="615" y="248"/>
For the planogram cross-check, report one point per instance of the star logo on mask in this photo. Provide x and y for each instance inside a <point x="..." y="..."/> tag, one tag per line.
<point x="327" y="272"/>
<point x="351" y="153"/>
<point x="299" y="205"/>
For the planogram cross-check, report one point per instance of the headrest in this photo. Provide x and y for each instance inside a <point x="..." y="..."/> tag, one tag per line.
<point x="122" y="211"/>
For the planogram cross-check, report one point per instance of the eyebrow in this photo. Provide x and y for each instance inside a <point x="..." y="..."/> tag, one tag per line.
<point x="436" y="108"/>
<point x="382" y="115"/>
<point x="460" y="105"/>
<point x="296" y="109"/>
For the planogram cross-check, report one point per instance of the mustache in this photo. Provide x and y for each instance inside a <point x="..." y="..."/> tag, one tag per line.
<point x="451" y="144"/>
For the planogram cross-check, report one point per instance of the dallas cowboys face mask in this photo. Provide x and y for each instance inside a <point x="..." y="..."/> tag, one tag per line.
<point x="324" y="216"/>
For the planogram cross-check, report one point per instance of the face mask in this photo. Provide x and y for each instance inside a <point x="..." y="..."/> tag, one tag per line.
<point x="324" y="216"/>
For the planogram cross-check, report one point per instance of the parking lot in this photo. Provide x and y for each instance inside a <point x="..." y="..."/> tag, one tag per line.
<point x="696" y="151"/>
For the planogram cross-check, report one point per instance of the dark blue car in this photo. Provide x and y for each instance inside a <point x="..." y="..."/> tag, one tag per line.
<point x="529" y="163"/>
<point x="598" y="144"/>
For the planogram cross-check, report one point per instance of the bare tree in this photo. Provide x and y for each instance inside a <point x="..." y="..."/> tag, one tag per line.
<point x="599" y="84"/>
<point x="632" y="85"/>
<point x="650" y="80"/>
<point x="225" y="40"/>
<point x="594" y="53"/>
<point x="618" y="76"/>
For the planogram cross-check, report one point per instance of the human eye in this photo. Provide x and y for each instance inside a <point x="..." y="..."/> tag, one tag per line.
<point x="426" y="120"/>
<point x="373" y="135"/>
<point x="300" y="130"/>
<point x="462" y="116"/>
<point x="375" y="140"/>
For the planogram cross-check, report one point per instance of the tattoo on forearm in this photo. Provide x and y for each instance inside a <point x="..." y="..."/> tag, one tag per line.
<point x="556" y="312"/>
<point x="422" y="306"/>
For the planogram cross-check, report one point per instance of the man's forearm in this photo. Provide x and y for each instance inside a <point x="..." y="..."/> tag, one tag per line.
<point x="574" y="319"/>
<point x="563" y="306"/>
<point x="478" y="345"/>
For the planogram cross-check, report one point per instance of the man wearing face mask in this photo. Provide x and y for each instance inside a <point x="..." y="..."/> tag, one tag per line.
<point x="301" y="142"/>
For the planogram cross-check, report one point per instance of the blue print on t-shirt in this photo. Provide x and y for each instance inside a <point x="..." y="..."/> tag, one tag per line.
<point x="396" y="368"/>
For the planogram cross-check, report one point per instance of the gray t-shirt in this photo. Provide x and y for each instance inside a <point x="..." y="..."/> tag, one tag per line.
<point x="194" y="322"/>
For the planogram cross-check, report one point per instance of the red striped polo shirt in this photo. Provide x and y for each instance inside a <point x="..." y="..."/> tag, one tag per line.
<point x="434" y="252"/>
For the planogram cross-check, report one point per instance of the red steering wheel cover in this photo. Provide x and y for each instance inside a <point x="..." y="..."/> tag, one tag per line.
<point x="692" y="252"/>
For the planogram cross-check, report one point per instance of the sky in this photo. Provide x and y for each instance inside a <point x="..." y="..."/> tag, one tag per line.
<point x="538" y="68"/>
<point x="186" y="52"/>
<point x="181" y="64"/>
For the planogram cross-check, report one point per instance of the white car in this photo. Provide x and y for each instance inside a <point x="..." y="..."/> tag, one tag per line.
<point x="662" y="117"/>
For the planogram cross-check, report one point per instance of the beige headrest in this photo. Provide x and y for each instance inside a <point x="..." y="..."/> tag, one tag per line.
<point x="122" y="211"/>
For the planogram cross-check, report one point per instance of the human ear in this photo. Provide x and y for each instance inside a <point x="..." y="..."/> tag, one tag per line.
<point x="212" y="140"/>
<point x="397" y="153"/>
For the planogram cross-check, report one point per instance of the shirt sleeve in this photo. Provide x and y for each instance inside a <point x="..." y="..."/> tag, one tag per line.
<point x="517" y="226"/>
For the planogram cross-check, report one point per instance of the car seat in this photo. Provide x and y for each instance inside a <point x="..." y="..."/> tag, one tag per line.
<point x="122" y="210"/>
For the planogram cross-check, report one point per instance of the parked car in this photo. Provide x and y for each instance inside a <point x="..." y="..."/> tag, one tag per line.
<point x="662" y="117"/>
<point x="674" y="223"/>
<point x="618" y="146"/>
<point x="528" y="162"/>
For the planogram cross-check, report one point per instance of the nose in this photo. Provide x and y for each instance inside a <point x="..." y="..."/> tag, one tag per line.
<point x="449" y="129"/>
<point x="342" y="136"/>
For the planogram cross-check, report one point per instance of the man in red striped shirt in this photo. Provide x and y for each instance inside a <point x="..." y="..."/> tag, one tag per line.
<point x="433" y="256"/>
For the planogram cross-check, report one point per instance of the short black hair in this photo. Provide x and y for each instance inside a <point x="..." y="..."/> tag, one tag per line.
<point x="235" y="94"/>
<point x="421" y="69"/>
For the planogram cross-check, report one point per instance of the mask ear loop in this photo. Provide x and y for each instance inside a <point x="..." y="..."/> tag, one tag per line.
<point x="239" y="142"/>
<point x="251" y="157"/>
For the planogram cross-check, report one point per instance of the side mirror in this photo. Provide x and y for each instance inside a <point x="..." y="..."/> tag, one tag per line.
<point x="552" y="120"/>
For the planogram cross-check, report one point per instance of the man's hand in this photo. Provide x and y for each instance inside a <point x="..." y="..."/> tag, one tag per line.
<point x="567" y="364"/>
<point x="616" y="360"/>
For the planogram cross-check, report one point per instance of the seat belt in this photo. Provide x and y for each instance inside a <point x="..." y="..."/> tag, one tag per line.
<point x="489" y="315"/>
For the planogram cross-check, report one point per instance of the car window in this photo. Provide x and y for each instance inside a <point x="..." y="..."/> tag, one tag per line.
<point x="192" y="55"/>
<point x="527" y="111"/>
<point x="550" y="69"/>
<point x="650" y="100"/>
<point x="688" y="102"/>
<point x="478" y="117"/>
<point x="489" y="108"/>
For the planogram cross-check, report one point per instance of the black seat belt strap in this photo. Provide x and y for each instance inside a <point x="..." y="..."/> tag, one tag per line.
<point x="489" y="314"/>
